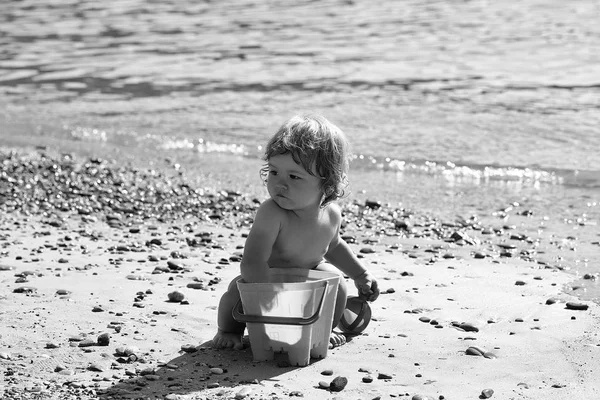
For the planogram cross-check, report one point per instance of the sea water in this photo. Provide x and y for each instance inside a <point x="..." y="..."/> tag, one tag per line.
<point x="454" y="108"/>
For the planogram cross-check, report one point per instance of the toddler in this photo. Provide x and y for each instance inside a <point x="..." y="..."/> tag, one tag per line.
<point x="299" y="225"/>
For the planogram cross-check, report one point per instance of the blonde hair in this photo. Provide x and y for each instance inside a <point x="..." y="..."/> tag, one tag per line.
<point x="312" y="139"/>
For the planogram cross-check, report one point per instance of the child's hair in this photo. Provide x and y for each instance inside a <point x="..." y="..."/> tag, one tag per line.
<point x="312" y="139"/>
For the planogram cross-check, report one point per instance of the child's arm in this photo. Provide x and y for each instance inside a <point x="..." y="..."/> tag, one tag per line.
<point x="259" y="243"/>
<point x="342" y="257"/>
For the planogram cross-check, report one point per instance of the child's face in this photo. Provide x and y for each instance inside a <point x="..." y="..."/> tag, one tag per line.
<point x="291" y="186"/>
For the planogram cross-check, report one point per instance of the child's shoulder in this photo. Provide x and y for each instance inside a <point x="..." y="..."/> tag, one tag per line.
<point x="334" y="212"/>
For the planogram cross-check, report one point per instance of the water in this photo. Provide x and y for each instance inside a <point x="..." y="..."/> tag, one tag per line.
<point x="452" y="107"/>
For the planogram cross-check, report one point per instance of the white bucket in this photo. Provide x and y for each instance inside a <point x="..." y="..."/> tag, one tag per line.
<point x="292" y="313"/>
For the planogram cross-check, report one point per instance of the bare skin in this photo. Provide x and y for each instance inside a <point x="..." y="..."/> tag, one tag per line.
<point x="292" y="230"/>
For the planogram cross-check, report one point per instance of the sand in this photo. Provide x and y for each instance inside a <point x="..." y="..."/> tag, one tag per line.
<point x="81" y="293"/>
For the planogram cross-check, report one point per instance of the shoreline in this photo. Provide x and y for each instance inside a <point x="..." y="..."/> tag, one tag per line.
<point x="100" y="262"/>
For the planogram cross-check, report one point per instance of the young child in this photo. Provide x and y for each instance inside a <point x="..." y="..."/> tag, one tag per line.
<point x="299" y="225"/>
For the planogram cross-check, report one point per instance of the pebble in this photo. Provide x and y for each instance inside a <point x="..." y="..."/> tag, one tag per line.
<point x="176" y="297"/>
<point x="474" y="351"/>
<point x="87" y="343"/>
<point x="468" y="327"/>
<point x="367" y="379"/>
<point x="189" y="348"/>
<point x="324" y="385"/>
<point x="383" y="375"/>
<point x="103" y="339"/>
<point x="217" y="371"/>
<point x="243" y="393"/>
<point x="338" y="384"/>
<point x="551" y="301"/>
<point x="576" y="306"/>
<point x="327" y="372"/>
<point x="487" y="393"/>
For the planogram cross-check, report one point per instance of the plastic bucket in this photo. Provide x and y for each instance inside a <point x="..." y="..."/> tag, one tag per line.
<point x="291" y="313"/>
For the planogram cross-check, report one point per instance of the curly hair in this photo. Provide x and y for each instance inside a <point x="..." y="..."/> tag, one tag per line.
<point x="313" y="140"/>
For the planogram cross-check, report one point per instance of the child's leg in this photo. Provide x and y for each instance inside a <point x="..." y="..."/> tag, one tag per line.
<point x="230" y="332"/>
<point x="337" y="339"/>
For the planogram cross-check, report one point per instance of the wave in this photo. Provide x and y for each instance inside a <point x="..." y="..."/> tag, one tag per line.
<point x="448" y="170"/>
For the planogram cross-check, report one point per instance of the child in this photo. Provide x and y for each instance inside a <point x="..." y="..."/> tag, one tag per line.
<point x="299" y="225"/>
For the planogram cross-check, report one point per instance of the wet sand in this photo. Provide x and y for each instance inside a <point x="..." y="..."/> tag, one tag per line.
<point x="90" y="251"/>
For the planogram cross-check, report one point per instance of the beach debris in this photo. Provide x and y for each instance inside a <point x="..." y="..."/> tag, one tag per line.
<point x="474" y="351"/>
<point x="338" y="384"/>
<point x="189" y="348"/>
<point x="243" y="392"/>
<point x="467" y="327"/>
<point x="25" y="289"/>
<point x="421" y="397"/>
<point x="103" y="339"/>
<point x="384" y="376"/>
<point x="127" y="351"/>
<point x="176" y="297"/>
<point x="576" y="306"/>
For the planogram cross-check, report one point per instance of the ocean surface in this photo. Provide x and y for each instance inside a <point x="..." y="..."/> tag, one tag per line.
<point x="454" y="108"/>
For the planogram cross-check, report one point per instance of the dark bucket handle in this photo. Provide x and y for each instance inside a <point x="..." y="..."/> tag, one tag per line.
<point x="238" y="315"/>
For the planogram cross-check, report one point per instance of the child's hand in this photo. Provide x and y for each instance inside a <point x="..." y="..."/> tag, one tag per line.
<point x="367" y="286"/>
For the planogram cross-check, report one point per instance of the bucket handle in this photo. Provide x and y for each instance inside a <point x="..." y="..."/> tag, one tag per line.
<point x="238" y="315"/>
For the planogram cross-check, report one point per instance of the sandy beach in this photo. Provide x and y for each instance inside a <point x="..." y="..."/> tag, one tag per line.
<point x="89" y="254"/>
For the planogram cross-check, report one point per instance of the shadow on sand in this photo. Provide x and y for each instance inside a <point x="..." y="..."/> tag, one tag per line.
<point x="198" y="372"/>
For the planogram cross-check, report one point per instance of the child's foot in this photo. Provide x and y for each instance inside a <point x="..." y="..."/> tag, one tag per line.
<point x="228" y="340"/>
<point x="336" y="339"/>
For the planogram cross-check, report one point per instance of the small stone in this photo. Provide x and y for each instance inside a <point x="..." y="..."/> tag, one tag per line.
<point x="176" y="297"/>
<point x="189" y="348"/>
<point x="468" y="327"/>
<point x="338" y="384"/>
<point x="367" y="250"/>
<point x="195" y="285"/>
<point x="383" y="375"/>
<point x="425" y="319"/>
<point x="324" y="385"/>
<point x="103" y="339"/>
<point x="487" y="393"/>
<point x="217" y="371"/>
<point x="576" y="306"/>
<point x="243" y="393"/>
<point x="52" y="345"/>
<point x="25" y="289"/>
<point x="327" y="372"/>
<point x="520" y="283"/>
<point x="97" y="367"/>
<point x="87" y="343"/>
<point x="367" y="379"/>
<point x="474" y="351"/>
<point x="551" y="301"/>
